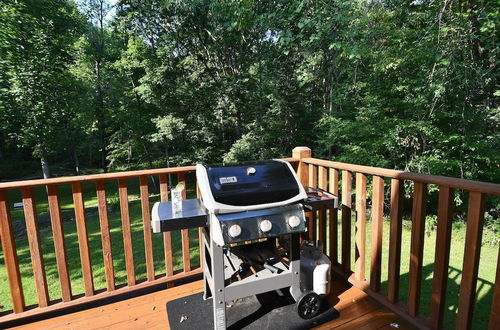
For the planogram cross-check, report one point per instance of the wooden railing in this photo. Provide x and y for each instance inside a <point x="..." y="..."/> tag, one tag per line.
<point x="324" y="226"/>
<point x="325" y="174"/>
<point x="67" y="299"/>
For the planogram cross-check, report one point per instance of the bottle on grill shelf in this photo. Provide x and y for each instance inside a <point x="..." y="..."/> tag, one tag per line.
<point x="177" y="199"/>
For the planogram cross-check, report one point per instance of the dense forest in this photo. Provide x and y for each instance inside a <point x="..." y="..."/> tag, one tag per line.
<point x="94" y="85"/>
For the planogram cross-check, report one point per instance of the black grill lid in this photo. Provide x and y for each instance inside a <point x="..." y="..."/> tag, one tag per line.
<point x="252" y="183"/>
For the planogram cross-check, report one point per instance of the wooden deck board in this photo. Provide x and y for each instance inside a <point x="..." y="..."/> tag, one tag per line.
<point x="356" y="310"/>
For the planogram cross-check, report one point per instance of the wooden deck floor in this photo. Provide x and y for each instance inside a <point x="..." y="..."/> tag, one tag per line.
<point x="356" y="309"/>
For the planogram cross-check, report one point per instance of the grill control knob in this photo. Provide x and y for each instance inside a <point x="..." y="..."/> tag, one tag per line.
<point x="265" y="225"/>
<point x="234" y="231"/>
<point x="294" y="221"/>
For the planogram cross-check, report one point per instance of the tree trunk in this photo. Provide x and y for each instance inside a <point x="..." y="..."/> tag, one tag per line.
<point x="76" y="162"/>
<point x="129" y="153"/>
<point x="168" y="166"/>
<point x="102" y="143"/>
<point x="2" y="146"/>
<point x="150" y="162"/>
<point x="45" y="167"/>
<point x="100" y="115"/>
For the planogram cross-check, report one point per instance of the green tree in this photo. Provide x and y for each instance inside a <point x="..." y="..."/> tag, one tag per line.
<point x="38" y="94"/>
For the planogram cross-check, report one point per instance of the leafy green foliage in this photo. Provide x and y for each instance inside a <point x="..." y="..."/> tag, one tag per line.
<point x="410" y="85"/>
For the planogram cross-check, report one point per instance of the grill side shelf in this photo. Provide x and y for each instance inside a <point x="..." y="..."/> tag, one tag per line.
<point x="193" y="215"/>
<point x="319" y="199"/>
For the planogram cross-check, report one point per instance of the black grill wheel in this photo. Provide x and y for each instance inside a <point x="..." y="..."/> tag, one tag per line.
<point x="308" y="305"/>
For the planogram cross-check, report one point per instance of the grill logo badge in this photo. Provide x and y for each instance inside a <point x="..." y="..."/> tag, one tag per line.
<point x="228" y="179"/>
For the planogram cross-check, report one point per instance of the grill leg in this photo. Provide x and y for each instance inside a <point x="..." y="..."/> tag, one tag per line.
<point x="219" y="302"/>
<point x="294" y="250"/>
<point x="207" y="275"/>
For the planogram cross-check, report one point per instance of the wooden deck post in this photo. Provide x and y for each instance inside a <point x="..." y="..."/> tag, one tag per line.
<point x="303" y="169"/>
<point x="303" y="175"/>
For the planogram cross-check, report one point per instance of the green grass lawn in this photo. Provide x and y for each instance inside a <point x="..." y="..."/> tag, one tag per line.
<point x="484" y="289"/>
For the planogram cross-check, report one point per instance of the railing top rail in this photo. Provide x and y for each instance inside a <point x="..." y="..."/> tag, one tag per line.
<point x="93" y="177"/>
<point x="103" y="176"/>
<point x="483" y="187"/>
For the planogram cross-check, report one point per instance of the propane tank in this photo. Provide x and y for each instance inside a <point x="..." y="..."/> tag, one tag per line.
<point x="314" y="268"/>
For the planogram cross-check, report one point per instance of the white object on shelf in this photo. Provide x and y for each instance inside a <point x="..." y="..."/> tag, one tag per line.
<point x="176" y="201"/>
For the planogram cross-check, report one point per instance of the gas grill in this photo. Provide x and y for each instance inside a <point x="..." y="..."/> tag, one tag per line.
<point x="253" y="217"/>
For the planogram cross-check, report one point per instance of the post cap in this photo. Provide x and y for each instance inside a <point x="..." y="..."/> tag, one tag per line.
<point x="301" y="152"/>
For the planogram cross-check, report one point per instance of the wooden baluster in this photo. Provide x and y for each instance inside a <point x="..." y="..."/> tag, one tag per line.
<point x="313" y="176"/>
<point x="442" y="256"/>
<point x="10" y="254"/>
<point x="333" y="216"/>
<point x="35" y="247"/>
<point x="200" y="230"/>
<point x="59" y="244"/>
<point x="313" y="182"/>
<point x="107" y="254"/>
<point x="377" y="230"/>
<point x="360" y="226"/>
<point x="346" y="219"/>
<point x="495" y="304"/>
<point x="167" y="237"/>
<point x="127" y="234"/>
<point x="146" y="219"/>
<point x="395" y="239"/>
<point x="417" y="246"/>
<point x="322" y="182"/>
<point x="83" y="241"/>
<point x="472" y="252"/>
<point x="185" y="232"/>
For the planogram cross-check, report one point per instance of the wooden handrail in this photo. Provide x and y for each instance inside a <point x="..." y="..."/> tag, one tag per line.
<point x="93" y="177"/>
<point x="483" y="187"/>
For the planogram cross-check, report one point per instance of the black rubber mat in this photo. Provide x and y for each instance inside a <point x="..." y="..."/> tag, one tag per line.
<point x="269" y="310"/>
